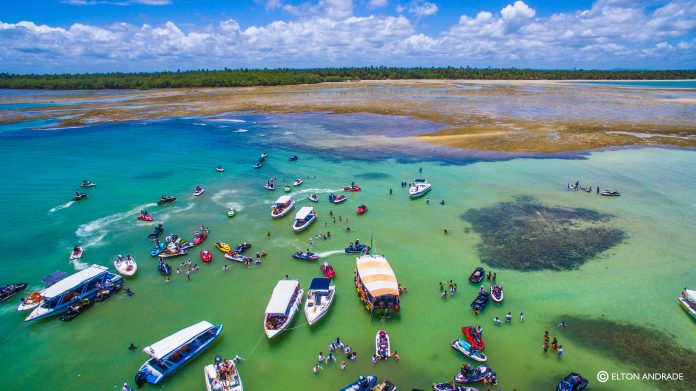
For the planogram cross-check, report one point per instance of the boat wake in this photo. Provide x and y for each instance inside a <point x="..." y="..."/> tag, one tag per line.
<point x="222" y="198"/>
<point x="240" y="131"/>
<point x="314" y="191"/>
<point x="325" y="254"/>
<point x="79" y="265"/>
<point x="163" y="217"/>
<point x="225" y="120"/>
<point x="91" y="234"/>
<point x="59" y="207"/>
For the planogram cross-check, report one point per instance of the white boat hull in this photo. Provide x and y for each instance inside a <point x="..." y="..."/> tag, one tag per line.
<point x="77" y="256"/>
<point x="126" y="267"/>
<point x="197" y="193"/>
<point x="293" y="311"/>
<point x="418" y="191"/>
<point x="304" y="226"/>
<point x="315" y="312"/>
<point x="691" y="309"/>
<point x="284" y="212"/>
<point x="210" y="374"/>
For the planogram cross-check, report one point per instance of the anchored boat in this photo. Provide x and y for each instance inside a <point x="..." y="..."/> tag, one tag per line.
<point x="282" y="307"/>
<point x="282" y="206"/>
<point x="376" y="284"/>
<point x="319" y="298"/>
<point x="304" y="218"/>
<point x="222" y="376"/>
<point x="126" y="265"/>
<point x="173" y="352"/>
<point x="419" y="188"/>
<point x="688" y="302"/>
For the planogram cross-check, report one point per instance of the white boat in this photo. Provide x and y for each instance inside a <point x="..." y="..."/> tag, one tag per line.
<point x="219" y="169"/>
<point x="297" y="182"/>
<point x="313" y="198"/>
<point x="419" y="188"/>
<point x="126" y="265"/>
<point x="382" y="345"/>
<point x="688" y="302"/>
<point x="282" y="206"/>
<point x="222" y="376"/>
<point x="232" y="256"/>
<point x="319" y="298"/>
<point x="76" y="253"/>
<point x="304" y="218"/>
<point x="31" y="302"/>
<point x="285" y="301"/>
<point x="198" y="191"/>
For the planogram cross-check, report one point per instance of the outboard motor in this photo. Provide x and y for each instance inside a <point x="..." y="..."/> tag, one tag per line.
<point x="140" y="378"/>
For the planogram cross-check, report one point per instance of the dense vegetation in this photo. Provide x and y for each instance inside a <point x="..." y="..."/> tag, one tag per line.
<point x="273" y="77"/>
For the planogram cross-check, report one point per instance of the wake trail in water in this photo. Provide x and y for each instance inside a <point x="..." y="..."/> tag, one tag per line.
<point x="316" y="191"/>
<point x="79" y="265"/>
<point x="59" y="207"/>
<point x="91" y="234"/>
<point x="222" y="198"/>
<point x="325" y="254"/>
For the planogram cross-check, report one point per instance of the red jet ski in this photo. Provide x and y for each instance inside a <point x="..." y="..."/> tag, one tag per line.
<point x="144" y="216"/>
<point x="473" y="337"/>
<point x="361" y="209"/>
<point x="352" y="188"/>
<point x="200" y="238"/>
<point x="206" y="256"/>
<point x="78" y="196"/>
<point x="327" y="270"/>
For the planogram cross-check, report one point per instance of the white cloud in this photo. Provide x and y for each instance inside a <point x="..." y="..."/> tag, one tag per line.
<point x="420" y="8"/>
<point x="377" y="3"/>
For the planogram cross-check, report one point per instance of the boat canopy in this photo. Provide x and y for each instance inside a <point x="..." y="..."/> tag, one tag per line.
<point x="282" y="294"/>
<point x="304" y="212"/>
<point x="320" y="284"/>
<point x="691" y="295"/>
<point x="377" y="275"/>
<point x="74" y="280"/>
<point x="419" y="181"/>
<point x="283" y="199"/>
<point x="53" y="278"/>
<point x="162" y="348"/>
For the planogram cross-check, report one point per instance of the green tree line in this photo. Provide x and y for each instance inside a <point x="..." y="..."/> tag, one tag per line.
<point x="284" y="76"/>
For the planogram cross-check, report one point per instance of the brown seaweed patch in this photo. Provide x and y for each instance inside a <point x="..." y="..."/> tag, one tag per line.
<point x="527" y="235"/>
<point x="650" y="351"/>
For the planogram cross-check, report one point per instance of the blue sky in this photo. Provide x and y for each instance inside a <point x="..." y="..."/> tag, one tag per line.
<point x="57" y="36"/>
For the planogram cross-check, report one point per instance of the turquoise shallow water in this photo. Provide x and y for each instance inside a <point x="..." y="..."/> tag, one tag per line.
<point x="134" y="163"/>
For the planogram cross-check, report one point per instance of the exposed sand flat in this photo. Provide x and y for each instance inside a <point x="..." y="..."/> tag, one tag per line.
<point x="517" y="116"/>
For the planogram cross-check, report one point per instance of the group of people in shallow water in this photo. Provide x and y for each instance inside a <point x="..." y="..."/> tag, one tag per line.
<point x="577" y="186"/>
<point x="336" y="346"/>
<point x="508" y="318"/>
<point x="554" y="343"/>
<point x="452" y="289"/>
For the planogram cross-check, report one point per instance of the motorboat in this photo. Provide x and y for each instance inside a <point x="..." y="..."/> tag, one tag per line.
<point x="231" y="212"/>
<point x="7" y="291"/>
<point x="376" y="284"/>
<point x="293" y="158"/>
<point x="164" y="268"/>
<point x="198" y="191"/>
<point x="242" y="247"/>
<point x="337" y="199"/>
<point x="175" y="351"/>
<point x="158" y="249"/>
<point x="287" y="189"/>
<point x="497" y="293"/>
<point x="480" y="301"/>
<point x="313" y="198"/>
<point x="304" y="218"/>
<point x="166" y="199"/>
<point x="688" y="301"/>
<point x="86" y="283"/>
<point x="219" y="169"/>
<point x="232" y="256"/>
<point x="144" y="216"/>
<point x="76" y="253"/>
<point x="474" y="337"/>
<point x="572" y="382"/>
<point x="76" y="308"/>
<point x="477" y="374"/>
<point x="305" y="255"/>
<point x="352" y="187"/>
<point x="297" y="182"/>
<point x="206" y="256"/>
<point x="282" y="206"/>
<point x="33" y="300"/>
<point x="258" y="165"/>
<point x="51" y="279"/>
<point x="382" y="345"/>
<point x="86" y="183"/>
<point x="361" y="209"/>
<point x="282" y="307"/>
<point x="126" y="265"/>
<point x="610" y="193"/>
<point x="269" y="186"/>
<point x="319" y="298"/>
<point x="328" y="270"/>
<point x="418" y="188"/>
<point x="222" y="376"/>
<point x="449" y="386"/>
<point x="363" y="383"/>
<point x="477" y="275"/>
<point x="79" y="195"/>
<point x="466" y="349"/>
<point x="222" y="246"/>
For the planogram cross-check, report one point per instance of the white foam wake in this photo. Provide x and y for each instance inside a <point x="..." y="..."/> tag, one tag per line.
<point x="92" y="233"/>
<point x="59" y="207"/>
<point x="225" y="120"/>
<point x="314" y="191"/>
<point x="79" y="265"/>
<point x="240" y="131"/>
<point x="223" y="198"/>
<point x="325" y="254"/>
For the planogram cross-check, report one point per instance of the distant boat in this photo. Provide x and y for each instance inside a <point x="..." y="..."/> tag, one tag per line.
<point x="304" y="218"/>
<point x="76" y="253"/>
<point x="86" y="183"/>
<point x="297" y="182"/>
<point x="419" y="188"/>
<point x="222" y="376"/>
<point x="610" y="193"/>
<point x="198" y="191"/>
<point x="258" y="165"/>
<point x="219" y="169"/>
<point x="313" y="198"/>
<point x="282" y="307"/>
<point x="293" y="158"/>
<point x="572" y="382"/>
<point x="688" y="302"/>
<point x="173" y="352"/>
<point x="319" y="298"/>
<point x="7" y="291"/>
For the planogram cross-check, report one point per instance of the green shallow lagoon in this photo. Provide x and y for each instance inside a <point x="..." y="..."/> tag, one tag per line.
<point x="635" y="282"/>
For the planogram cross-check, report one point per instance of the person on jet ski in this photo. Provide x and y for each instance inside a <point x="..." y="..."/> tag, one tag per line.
<point x="466" y="370"/>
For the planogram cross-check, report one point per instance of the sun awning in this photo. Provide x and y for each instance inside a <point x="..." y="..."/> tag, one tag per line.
<point x="282" y="293"/>
<point x="164" y="347"/>
<point x="74" y="280"/>
<point x="377" y="275"/>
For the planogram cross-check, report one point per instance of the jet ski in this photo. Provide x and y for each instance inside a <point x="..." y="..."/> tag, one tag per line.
<point x="328" y="270"/>
<point x="481" y="300"/>
<point x="449" y="386"/>
<point x="337" y="199"/>
<point x="76" y="253"/>
<point x="293" y="158"/>
<point x="287" y="189"/>
<point x="166" y="199"/>
<point x="238" y="257"/>
<point x="158" y="249"/>
<point x="144" y="216"/>
<point x="86" y="183"/>
<point x="164" y="268"/>
<point x="355" y="249"/>
<point x="572" y="382"/>
<point x="364" y="383"/>
<point x="361" y="209"/>
<point x="497" y="293"/>
<point x="76" y="309"/>
<point x="242" y="247"/>
<point x="313" y="198"/>
<point x="258" y="165"/>
<point x="297" y="182"/>
<point x="8" y="291"/>
<point x="222" y="246"/>
<point x="206" y="256"/>
<point x="231" y="212"/>
<point x="158" y="231"/>
<point x="219" y="169"/>
<point x="477" y="275"/>
<point x="79" y="195"/>
<point x="610" y="193"/>
<point x="474" y="337"/>
<point x="263" y="156"/>
<point x="198" y="191"/>
<point x="308" y="256"/>
<point x="477" y="374"/>
<point x="269" y="186"/>
<point x="352" y="188"/>
<point x="466" y="349"/>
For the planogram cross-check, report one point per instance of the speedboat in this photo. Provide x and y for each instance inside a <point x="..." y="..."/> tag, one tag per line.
<point x="231" y="212"/>
<point x="313" y="198"/>
<point x="79" y="195"/>
<point x="86" y="183"/>
<point x="363" y="383"/>
<point x="158" y="249"/>
<point x="474" y="337"/>
<point x="382" y="345"/>
<point x="76" y="253"/>
<point x="258" y="165"/>
<point x="477" y="374"/>
<point x="688" y="302"/>
<point x="282" y="206"/>
<point x="87" y="283"/>
<point x="269" y="186"/>
<point x="337" y="199"/>
<point x="297" y="182"/>
<point x="477" y="275"/>
<point x="7" y="291"/>
<point x="572" y="382"/>
<point x="449" y="386"/>
<point x="206" y="256"/>
<point x="497" y="293"/>
<point x="466" y="349"/>
<point x="237" y="257"/>
<point x="480" y="301"/>
<point x="198" y="191"/>
<point x="361" y="209"/>
<point x="126" y="265"/>
<point x="293" y="158"/>
<point x="76" y="308"/>
<point x="328" y="270"/>
<point x="164" y="268"/>
<point x="304" y="218"/>
<point x="352" y="188"/>
<point x="173" y="352"/>
<point x="219" y="169"/>
<point x="222" y="246"/>
<point x="282" y="307"/>
<point x="222" y="376"/>
<point x="319" y="298"/>
<point x="610" y="193"/>
<point x="307" y="256"/>
<point x="418" y="188"/>
<point x="31" y="302"/>
<point x="166" y="199"/>
<point x="144" y="216"/>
